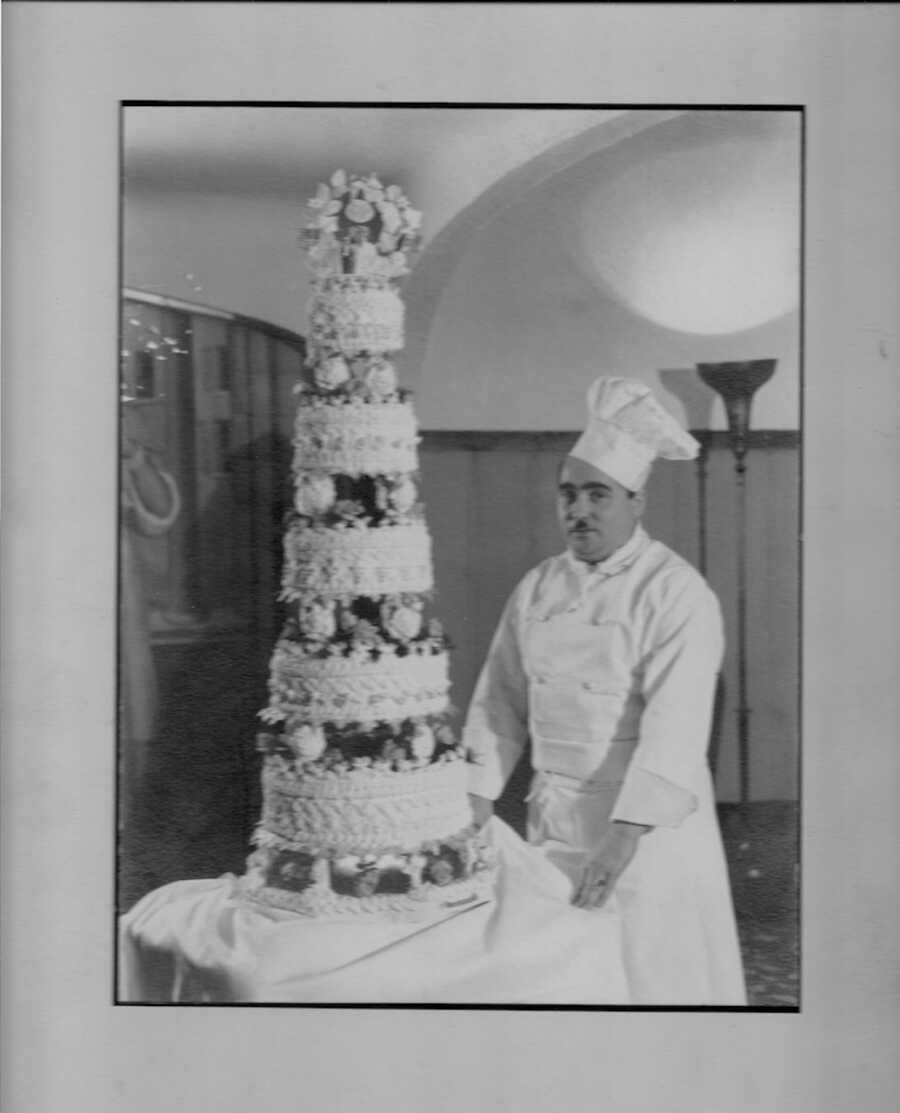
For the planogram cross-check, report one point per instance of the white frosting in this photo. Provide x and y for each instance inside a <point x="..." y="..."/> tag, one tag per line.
<point x="348" y="689"/>
<point x="365" y="811"/>
<point x="383" y="560"/>
<point x="356" y="313"/>
<point x="356" y="439"/>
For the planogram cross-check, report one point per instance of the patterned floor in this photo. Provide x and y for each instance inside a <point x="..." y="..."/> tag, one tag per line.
<point x="771" y="964"/>
<point x="761" y="843"/>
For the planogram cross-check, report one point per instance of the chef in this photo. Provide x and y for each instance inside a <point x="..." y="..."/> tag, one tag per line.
<point x="606" y="659"/>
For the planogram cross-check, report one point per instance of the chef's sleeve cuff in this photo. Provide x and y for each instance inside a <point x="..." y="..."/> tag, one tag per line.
<point x="653" y="801"/>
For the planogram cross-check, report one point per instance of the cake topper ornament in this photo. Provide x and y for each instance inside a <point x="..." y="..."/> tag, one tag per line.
<point x="358" y="226"/>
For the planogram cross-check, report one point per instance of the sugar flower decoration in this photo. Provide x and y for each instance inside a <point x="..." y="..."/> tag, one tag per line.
<point x="313" y="494"/>
<point x="307" y="742"/>
<point x="422" y="742"/>
<point x="403" y="494"/>
<point x="356" y="225"/>
<point x="381" y="378"/>
<point x="331" y="372"/>
<point x="317" y="620"/>
<point x="402" y="621"/>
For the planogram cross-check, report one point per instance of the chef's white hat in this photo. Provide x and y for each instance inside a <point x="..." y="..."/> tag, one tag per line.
<point x="627" y="430"/>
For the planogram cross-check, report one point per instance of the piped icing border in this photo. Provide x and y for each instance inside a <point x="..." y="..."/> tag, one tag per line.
<point x="356" y="439"/>
<point x="354" y="689"/>
<point x="374" y="561"/>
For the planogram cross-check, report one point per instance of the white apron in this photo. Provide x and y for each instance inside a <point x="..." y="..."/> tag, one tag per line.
<point x="680" y="939"/>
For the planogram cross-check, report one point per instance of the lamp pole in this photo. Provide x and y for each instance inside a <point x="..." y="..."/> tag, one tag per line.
<point x="737" y="382"/>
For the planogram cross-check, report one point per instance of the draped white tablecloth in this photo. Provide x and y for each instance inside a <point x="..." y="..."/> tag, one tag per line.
<point x="198" y="941"/>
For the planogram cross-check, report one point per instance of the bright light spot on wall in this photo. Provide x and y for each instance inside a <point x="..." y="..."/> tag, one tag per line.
<point x="704" y="241"/>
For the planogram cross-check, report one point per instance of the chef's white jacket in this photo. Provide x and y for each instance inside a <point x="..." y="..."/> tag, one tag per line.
<point x="610" y="671"/>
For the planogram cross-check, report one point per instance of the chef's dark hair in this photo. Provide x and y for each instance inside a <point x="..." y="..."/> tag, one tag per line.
<point x="561" y="463"/>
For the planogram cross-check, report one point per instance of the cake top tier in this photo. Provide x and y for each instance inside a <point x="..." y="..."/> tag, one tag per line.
<point x="356" y="225"/>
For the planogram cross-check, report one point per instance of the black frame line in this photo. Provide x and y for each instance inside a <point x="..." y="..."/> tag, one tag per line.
<point x="706" y="106"/>
<point x="723" y="106"/>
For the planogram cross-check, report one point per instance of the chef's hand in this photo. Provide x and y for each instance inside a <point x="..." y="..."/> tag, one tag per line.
<point x="605" y="865"/>
<point x="482" y="809"/>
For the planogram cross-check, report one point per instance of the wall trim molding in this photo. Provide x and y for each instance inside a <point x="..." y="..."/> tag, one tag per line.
<point x="487" y="440"/>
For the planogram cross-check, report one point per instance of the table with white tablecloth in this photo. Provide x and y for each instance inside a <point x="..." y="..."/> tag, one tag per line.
<point x="202" y="941"/>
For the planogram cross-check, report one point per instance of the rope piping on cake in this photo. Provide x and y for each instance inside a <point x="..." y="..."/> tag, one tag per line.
<point x="357" y="438"/>
<point x="347" y="710"/>
<point x="356" y="313"/>
<point x="344" y="689"/>
<point x="375" y="455"/>
<point x="463" y="841"/>
<point x="351" y="827"/>
<point x="368" y="819"/>
<point x="379" y="560"/>
<point x="352" y="418"/>
<point x="322" y="784"/>
<point x="319" y="783"/>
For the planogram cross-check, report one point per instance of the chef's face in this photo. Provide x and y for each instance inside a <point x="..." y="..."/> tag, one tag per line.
<point x="597" y="514"/>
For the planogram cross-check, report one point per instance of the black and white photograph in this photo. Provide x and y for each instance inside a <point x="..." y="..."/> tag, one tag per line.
<point x="459" y="569"/>
<point x="449" y="626"/>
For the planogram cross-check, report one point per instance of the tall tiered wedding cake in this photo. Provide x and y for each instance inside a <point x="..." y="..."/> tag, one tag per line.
<point x="364" y="783"/>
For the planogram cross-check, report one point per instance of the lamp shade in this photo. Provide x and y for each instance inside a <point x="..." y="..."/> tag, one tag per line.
<point x="737" y="382"/>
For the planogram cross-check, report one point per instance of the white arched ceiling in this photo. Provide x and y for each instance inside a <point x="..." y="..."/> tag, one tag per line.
<point x="505" y="294"/>
<point x="214" y="196"/>
<point x="443" y="157"/>
<point x="435" y="267"/>
<point x="700" y="234"/>
<point x="525" y="320"/>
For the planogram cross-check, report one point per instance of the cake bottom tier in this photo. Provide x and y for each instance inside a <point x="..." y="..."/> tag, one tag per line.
<point x="336" y="843"/>
<point x="440" y="875"/>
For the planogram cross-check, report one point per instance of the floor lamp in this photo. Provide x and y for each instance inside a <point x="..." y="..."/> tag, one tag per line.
<point x="736" y="383"/>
